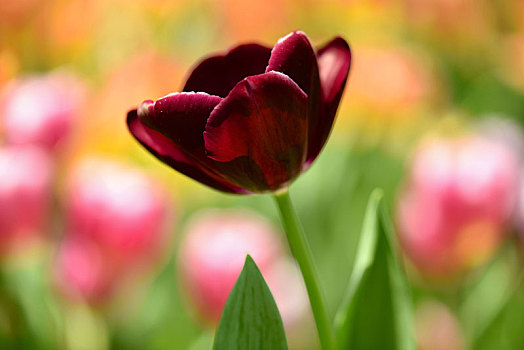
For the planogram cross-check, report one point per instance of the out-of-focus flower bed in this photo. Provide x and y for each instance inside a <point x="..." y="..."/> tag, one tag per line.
<point x="103" y="247"/>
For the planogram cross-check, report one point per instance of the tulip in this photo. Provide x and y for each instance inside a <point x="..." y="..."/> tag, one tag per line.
<point x="119" y="209"/>
<point x="213" y="253"/>
<point x="249" y="121"/>
<point x="25" y="196"/>
<point x="456" y="203"/>
<point x="41" y="110"/>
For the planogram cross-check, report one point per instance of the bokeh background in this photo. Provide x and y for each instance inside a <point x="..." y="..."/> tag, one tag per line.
<point x="103" y="247"/>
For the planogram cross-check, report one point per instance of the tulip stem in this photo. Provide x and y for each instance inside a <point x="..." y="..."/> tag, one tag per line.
<point x="302" y="252"/>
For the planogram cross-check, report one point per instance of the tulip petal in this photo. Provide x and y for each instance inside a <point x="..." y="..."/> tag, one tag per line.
<point x="259" y="130"/>
<point x="181" y="117"/>
<point x="294" y="56"/>
<point x="334" y="60"/>
<point x="217" y="75"/>
<point x="171" y="154"/>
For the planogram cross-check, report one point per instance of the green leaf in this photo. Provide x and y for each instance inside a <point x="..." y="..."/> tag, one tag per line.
<point x="497" y="289"/>
<point x="377" y="311"/>
<point x="250" y="319"/>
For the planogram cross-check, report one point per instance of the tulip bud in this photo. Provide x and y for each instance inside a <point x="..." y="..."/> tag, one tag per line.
<point x="212" y="256"/>
<point x="120" y="210"/>
<point x="40" y="110"/>
<point x="454" y="207"/>
<point x="25" y="193"/>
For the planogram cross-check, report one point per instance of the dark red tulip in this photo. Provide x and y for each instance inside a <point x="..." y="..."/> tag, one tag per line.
<point x="251" y="120"/>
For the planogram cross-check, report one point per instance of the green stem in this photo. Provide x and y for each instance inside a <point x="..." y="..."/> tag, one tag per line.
<point x="300" y="249"/>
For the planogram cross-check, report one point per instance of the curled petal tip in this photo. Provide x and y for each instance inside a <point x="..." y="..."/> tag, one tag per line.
<point x="284" y="38"/>
<point x="145" y="109"/>
<point x="293" y="33"/>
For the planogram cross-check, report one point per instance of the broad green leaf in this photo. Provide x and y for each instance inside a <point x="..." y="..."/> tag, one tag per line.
<point x="250" y="319"/>
<point x="377" y="311"/>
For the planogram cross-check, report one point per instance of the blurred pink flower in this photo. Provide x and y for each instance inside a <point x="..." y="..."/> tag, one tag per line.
<point x="25" y="196"/>
<point x="40" y="110"/>
<point x="454" y="207"/>
<point x="212" y="256"/>
<point x="120" y="209"/>
<point x="285" y="281"/>
<point x="80" y="271"/>
<point x="437" y="328"/>
<point x="117" y="225"/>
<point x="519" y="216"/>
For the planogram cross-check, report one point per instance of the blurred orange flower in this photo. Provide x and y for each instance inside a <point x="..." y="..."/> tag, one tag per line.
<point x="451" y="21"/>
<point x="512" y="60"/>
<point x="389" y="87"/>
<point x="70" y="23"/>
<point x="148" y="74"/>
<point x="16" y="13"/>
<point x="246" y="20"/>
